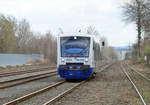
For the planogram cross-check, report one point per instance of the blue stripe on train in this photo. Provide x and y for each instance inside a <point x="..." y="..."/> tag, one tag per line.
<point x="75" y="74"/>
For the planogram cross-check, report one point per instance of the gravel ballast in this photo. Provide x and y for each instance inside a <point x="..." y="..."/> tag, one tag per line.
<point x="24" y="75"/>
<point x="111" y="87"/>
<point x="48" y="95"/>
<point x="24" y="68"/>
<point x="20" y="90"/>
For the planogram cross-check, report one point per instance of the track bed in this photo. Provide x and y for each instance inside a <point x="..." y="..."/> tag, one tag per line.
<point x="110" y="87"/>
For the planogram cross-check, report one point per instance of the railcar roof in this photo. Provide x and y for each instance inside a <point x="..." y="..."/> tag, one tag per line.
<point x="75" y="34"/>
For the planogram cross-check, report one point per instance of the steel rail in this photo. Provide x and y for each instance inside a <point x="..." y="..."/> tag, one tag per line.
<point x="106" y="66"/>
<point x="64" y="93"/>
<point x="103" y="65"/>
<point x="25" y="97"/>
<point x="71" y="89"/>
<point x="32" y="76"/>
<point x="138" y="72"/>
<point x="24" y="71"/>
<point x="133" y="84"/>
<point x="26" y="81"/>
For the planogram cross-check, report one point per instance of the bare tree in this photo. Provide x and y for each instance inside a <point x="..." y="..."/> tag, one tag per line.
<point x="60" y="31"/>
<point x="24" y="36"/>
<point x="92" y="30"/>
<point x="48" y="47"/>
<point x="7" y="34"/>
<point x="135" y="12"/>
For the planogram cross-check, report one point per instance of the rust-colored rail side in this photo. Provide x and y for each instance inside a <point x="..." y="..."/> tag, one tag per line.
<point x="26" y="81"/>
<point x="25" y="71"/>
<point x="18" y="100"/>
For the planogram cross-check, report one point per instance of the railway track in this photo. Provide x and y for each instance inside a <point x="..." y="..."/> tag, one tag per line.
<point x="130" y="78"/>
<point x="25" y="97"/>
<point x="23" y="80"/>
<point x="25" y="71"/>
<point x="30" y="71"/>
<point x="61" y="88"/>
<point x="142" y="75"/>
<point x="63" y="93"/>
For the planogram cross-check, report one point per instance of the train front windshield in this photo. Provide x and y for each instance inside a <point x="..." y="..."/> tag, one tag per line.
<point x="75" y="46"/>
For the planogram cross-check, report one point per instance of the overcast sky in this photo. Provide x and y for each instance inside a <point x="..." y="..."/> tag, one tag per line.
<point x="72" y="15"/>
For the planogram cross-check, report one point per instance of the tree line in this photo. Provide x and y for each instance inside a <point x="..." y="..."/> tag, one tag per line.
<point x="138" y="12"/>
<point x="17" y="37"/>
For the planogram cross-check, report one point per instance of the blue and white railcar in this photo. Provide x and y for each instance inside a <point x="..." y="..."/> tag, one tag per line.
<point x="75" y="59"/>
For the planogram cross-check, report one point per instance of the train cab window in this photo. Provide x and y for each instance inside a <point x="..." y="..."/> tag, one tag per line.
<point x="75" y="46"/>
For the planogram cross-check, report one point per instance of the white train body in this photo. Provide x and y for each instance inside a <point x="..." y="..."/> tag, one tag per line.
<point x="75" y="55"/>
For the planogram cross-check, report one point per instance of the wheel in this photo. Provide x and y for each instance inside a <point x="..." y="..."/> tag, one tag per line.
<point x="93" y="74"/>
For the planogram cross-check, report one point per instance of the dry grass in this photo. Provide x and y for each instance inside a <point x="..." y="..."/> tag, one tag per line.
<point x="143" y="86"/>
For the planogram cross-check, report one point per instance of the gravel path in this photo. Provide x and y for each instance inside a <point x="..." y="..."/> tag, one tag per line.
<point x="111" y="87"/>
<point x="20" y="90"/>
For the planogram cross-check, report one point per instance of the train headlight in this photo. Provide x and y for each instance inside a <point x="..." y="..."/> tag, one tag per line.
<point x="62" y="60"/>
<point x="86" y="59"/>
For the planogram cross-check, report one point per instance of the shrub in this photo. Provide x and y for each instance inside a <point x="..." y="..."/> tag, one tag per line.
<point x="1" y="68"/>
<point x="38" y="61"/>
<point x="148" y="51"/>
<point x="140" y="60"/>
<point x="9" y="66"/>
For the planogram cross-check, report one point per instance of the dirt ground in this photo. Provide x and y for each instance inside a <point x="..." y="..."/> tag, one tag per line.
<point x="110" y="87"/>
